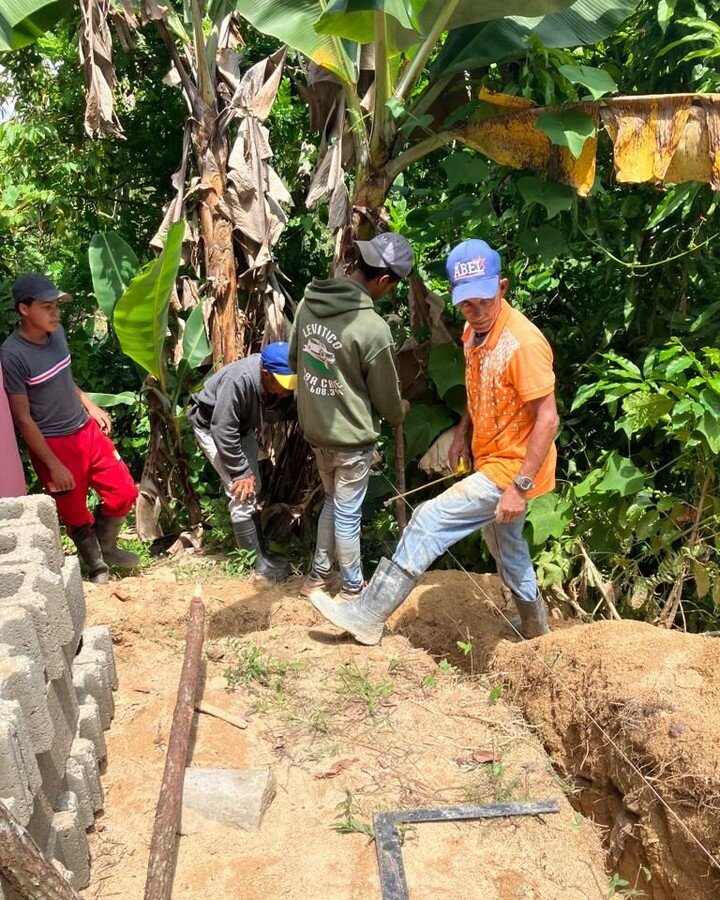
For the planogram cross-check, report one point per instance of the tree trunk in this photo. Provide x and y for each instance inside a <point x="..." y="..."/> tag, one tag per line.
<point x="227" y="321"/>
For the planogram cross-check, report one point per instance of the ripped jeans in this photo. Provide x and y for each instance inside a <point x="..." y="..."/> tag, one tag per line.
<point x="345" y="475"/>
<point x="468" y="505"/>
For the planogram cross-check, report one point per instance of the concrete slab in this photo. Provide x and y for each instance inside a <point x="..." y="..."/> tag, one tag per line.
<point x="234" y="797"/>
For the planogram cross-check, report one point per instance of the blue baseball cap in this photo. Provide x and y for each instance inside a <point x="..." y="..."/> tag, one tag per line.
<point x="275" y="360"/>
<point x="473" y="270"/>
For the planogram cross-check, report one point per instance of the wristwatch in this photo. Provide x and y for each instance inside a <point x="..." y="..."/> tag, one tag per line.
<point x="524" y="483"/>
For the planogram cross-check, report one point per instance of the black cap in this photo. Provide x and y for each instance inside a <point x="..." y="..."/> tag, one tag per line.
<point x="388" y="251"/>
<point x="27" y="288"/>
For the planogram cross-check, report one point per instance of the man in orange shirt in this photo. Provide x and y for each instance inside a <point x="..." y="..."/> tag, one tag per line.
<point x="508" y="431"/>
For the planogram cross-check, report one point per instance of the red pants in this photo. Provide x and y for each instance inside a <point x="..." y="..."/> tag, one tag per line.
<point x="94" y="463"/>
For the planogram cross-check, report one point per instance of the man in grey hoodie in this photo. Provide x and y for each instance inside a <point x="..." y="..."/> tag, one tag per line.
<point x="342" y="351"/>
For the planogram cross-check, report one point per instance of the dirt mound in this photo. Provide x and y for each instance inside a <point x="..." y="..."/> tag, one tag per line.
<point x="349" y="731"/>
<point x="656" y="695"/>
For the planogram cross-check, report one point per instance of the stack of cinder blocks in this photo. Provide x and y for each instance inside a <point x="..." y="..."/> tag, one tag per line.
<point x="56" y="688"/>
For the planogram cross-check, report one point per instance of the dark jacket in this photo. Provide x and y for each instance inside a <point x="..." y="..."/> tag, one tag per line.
<point x="229" y="406"/>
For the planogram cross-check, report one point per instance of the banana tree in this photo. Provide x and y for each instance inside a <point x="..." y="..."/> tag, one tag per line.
<point x="138" y="302"/>
<point x="393" y="80"/>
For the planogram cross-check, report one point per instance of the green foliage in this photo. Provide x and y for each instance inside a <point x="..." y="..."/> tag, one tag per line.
<point x="141" y="314"/>
<point x="567" y="129"/>
<point x="347" y="821"/>
<point x="196" y="347"/>
<point x="422" y="425"/>
<point x="23" y="21"/>
<point x="597" y="81"/>
<point x="358" y="686"/>
<point x="113" y="265"/>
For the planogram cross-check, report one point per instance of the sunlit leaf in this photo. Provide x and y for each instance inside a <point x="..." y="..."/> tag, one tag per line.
<point x="113" y="265"/>
<point x="141" y="314"/>
<point x="567" y="129"/>
<point x="597" y="81"/>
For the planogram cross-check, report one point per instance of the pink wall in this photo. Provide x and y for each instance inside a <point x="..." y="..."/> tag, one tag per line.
<point x="12" y="478"/>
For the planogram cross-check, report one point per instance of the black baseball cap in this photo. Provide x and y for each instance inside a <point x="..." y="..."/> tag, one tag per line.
<point x="388" y="251"/>
<point x="27" y="288"/>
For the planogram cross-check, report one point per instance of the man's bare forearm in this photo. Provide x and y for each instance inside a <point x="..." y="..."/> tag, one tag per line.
<point x="541" y="437"/>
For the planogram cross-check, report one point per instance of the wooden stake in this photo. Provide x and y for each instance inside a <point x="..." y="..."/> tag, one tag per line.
<point x="25" y="868"/>
<point x="400" y="513"/>
<point x="217" y="713"/>
<point x="161" y="865"/>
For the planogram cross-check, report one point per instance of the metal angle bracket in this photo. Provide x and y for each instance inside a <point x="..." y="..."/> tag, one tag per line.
<point x="387" y="841"/>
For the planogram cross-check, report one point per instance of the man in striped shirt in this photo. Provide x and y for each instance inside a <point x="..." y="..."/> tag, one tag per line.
<point x="67" y="435"/>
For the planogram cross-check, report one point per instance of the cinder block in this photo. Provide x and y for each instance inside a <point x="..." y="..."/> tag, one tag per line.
<point x="77" y="783"/>
<point x="99" y="637"/>
<point x="75" y="599"/>
<point x="64" y="711"/>
<point x="22" y="680"/>
<point x="17" y="633"/>
<point x="68" y="841"/>
<point x="19" y="773"/>
<point x="90" y="726"/>
<point x="43" y="812"/>
<point x="89" y="678"/>
<point x="31" y="542"/>
<point x="89" y="657"/>
<point x="42" y="592"/>
<point x="83" y="751"/>
<point x="29" y="510"/>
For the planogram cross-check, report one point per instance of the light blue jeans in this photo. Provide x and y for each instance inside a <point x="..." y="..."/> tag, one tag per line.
<point x="345" y="475"/>
<point x="240" y="510"/>
<point x="443" y="521"/>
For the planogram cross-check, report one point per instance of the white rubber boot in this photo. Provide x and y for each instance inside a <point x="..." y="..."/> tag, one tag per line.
<point x="365" y="617"/>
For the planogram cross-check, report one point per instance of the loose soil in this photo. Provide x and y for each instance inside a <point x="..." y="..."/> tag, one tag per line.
<point x="350" y="731"/>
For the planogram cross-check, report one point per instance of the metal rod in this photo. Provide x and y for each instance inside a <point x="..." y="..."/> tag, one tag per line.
<point x="161" y="865"/>
<point x="400" y="512"/>
<point x="25" y="868"/>
<point x="399" y="497"/>
<point x="387" y="844"/>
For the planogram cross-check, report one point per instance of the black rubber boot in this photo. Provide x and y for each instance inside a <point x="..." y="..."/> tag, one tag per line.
<point x="88" y="548"/>
<point x="107" y="529"/>
<point x="270" y="567"/>
<point x="533" y="617"/>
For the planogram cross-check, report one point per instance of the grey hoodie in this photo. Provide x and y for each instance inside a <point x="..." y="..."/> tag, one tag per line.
<point x="342" y="351"/>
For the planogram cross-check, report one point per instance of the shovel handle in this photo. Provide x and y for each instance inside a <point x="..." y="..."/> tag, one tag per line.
<point x="400" y="512"/>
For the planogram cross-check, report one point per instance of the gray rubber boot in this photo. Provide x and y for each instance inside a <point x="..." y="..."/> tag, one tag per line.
<point x="107" y="529"/>
<point x="88" y="548"/>
<point x="365" y="617"/>
<point x="533" y="617"/>
<point x="271" y="567"/>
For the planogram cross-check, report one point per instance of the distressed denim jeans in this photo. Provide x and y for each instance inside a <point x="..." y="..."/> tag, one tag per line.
<point x="468" y="505"/>
<point x="345" y="475"/>
<point x="240" y="510"/>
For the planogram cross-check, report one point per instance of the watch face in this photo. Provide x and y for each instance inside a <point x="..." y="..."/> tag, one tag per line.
<point x="524" y="482"/>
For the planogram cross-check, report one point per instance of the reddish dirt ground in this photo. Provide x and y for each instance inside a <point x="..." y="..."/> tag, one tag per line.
<point x="348" y="731"/>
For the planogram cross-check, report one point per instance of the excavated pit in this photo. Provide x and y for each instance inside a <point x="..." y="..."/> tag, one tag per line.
<point x="626" y="712"/>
